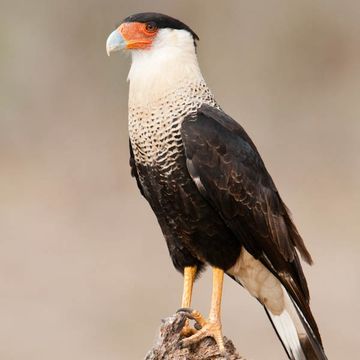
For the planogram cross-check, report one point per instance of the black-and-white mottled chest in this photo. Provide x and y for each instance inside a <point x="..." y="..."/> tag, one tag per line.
<point x="154" y="128"/>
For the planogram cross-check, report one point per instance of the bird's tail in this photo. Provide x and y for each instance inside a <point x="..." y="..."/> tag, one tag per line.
<point x="298" y="338"/>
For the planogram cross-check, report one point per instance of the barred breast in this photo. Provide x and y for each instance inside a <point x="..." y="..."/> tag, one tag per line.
<point x="154" y="128"/>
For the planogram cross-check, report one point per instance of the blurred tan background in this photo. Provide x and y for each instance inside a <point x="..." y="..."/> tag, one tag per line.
<point x="84" y="270"/>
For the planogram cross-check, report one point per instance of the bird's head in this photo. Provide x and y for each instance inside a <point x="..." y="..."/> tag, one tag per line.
<point x="163" y="53"/>
<point x="149" y="31"/>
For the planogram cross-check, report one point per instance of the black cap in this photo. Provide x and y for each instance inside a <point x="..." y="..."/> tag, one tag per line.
<point x="162" y="21"/>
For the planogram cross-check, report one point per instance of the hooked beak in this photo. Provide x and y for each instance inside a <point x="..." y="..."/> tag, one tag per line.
<point x="115" y="42"/>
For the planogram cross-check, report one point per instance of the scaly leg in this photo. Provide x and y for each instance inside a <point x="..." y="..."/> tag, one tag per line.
<point x="211" y="326"/>
<point x="189" y="278"/>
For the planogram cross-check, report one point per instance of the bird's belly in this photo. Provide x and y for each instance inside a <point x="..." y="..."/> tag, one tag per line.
<point x="177" y="203"/>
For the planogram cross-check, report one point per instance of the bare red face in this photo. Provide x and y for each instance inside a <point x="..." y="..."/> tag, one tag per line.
<point x="138" y="35"/>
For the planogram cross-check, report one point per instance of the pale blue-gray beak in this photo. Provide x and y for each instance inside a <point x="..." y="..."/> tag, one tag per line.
<point x="115" y="42"/>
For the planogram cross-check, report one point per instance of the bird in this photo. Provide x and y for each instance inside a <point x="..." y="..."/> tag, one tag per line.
<point x="215" y="201"/>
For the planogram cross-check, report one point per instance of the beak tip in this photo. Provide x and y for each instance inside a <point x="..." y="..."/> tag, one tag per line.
<point x="114" y="42"/>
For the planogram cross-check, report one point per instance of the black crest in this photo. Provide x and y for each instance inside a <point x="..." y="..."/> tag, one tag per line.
<point x="162" y="21"/>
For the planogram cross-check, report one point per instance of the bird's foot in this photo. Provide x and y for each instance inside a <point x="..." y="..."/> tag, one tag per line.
<point x="203" y="328"/>
<point x="187" y="330"/>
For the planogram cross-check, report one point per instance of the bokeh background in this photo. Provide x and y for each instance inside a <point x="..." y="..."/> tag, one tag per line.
<point x="84" y="270"/>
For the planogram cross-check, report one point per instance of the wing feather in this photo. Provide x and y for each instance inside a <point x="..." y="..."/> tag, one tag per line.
<point x="229" y="172"/>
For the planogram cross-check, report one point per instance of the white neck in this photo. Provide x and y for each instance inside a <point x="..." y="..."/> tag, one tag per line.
<point x="170" y="63"/>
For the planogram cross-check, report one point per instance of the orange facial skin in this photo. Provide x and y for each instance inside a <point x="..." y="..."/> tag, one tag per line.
<point x="137" y="35"/>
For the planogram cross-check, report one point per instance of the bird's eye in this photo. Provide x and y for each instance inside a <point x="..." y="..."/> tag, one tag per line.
<point x="150" y="27"/>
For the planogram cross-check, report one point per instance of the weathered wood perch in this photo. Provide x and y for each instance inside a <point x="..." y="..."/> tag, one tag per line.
<point x="167" y="347"/>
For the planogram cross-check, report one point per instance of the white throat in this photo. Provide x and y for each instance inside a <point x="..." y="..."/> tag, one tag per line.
<point x="170" y="63"/>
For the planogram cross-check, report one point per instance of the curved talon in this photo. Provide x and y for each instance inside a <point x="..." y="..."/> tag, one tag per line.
<point x="185" y="309"/>
<point x="196" y="315"/>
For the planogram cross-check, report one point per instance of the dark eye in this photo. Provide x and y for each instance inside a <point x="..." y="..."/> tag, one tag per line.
<point x="150" y="27"/>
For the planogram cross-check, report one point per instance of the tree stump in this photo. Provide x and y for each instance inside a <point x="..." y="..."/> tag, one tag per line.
<point x="167" y="347"/>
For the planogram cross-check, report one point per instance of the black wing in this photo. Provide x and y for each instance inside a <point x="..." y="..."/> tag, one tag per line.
<point x="229" y="172"/>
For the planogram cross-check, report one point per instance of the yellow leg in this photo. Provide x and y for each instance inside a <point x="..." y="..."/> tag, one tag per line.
<point x="218" y="279"/>
<point x="211" y="326"/>
<point x="189" y="278"/>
